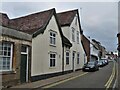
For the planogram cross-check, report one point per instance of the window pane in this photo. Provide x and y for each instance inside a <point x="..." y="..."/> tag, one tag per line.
<point x="9" y="48"/>
<point x="67" y="60"/>
<point x="1" y="48"/>
<point x="9" y="53"/>
<point x="4" y="63"/>
<point x="67" y="54"/>
<point x="53" y="62"/>
<point x="5" y="53"/>
<point x="50" y="33"/>
<point x="5" y="48"/>
<point x="54" y="35"/>
<point x="8" y="67"/>
<point x="53" y="41"/>
<point x="50" y="62"/>
<point x="23" y="49"/>
<point x="50" y="55"/>
<point x="53" y="55"/>
<point x="50" y="40"/>
<point x="1" y="52"/>
<point x="4" y="67"/>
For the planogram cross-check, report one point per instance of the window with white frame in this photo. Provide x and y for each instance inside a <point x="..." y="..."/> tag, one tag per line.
<point x="52" y="59"/>
<point x="77" y="36"/>
<point x="6" y="56"/>
<point x="73" y="34"/>
<point x="67" y="57"/>
<point x="52" y="38"/>
<point x="78" y="58"/>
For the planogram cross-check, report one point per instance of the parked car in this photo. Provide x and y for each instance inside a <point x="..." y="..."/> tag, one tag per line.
<point x="90" y="66"/>
<point x="100" y="63"/>
<point x="105" y="61"/>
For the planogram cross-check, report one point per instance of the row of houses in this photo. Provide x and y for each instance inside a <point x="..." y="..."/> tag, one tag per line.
<point x="41" y="45"/>
<point x="97" y="51"/>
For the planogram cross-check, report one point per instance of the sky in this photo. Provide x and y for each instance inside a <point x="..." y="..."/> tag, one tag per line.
<point x="99" y="20"/>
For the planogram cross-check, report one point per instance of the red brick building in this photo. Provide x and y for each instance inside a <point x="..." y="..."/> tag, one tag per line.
<point x="86" y="46"/>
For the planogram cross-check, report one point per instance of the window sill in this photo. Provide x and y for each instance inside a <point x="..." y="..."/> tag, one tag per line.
<point x="67" y="64"/>
<point x="52" y="67"/>
<point x="52" y="45"/>
<point x="7" y="72"/>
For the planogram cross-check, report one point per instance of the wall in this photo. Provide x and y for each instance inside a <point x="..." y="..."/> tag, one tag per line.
<point x="86" y="45"/>
<point x="41" y="49"/>
<point x="67" y="31"/>
<point x="13" y="77"/>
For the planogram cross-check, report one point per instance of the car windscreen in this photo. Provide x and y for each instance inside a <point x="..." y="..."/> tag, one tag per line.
<point x="91" y="63"/>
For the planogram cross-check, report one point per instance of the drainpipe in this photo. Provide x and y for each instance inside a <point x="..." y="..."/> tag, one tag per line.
<point x="63" y="61"/>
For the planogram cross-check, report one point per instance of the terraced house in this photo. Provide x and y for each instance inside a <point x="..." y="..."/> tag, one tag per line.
<point x="15" y="54"/>
<point x="40" y="45"/>
<point x="71" y="28"/>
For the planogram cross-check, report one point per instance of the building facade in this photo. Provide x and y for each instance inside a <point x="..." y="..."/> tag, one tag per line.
<point x="15" y="54"/>
<point x="41" y="45"/>
<point x="71" y="28"/>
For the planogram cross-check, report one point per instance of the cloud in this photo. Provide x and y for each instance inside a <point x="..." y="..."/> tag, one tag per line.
<point x="99" y="20"/>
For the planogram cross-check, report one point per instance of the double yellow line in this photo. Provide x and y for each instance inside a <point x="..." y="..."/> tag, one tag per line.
<point x="107" y="85"/>
<point x="59" y="82"/>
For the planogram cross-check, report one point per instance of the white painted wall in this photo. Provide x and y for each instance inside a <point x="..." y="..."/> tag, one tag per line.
<point x="67" y="31"/>
<point x="41" y="49"/>
<point x="68" y="66"/>
<point x="93" y="50"/>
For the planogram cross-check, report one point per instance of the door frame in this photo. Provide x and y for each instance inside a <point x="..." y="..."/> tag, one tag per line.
<point x="73" y="61"/>
<point x="26" y="53"/>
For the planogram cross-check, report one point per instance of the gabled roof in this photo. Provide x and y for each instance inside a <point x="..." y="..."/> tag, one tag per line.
<point x="36" y="23"/>
<point x="31" y="23"/>
<point x="66" y="18"/>
<point x="4" y="19"/>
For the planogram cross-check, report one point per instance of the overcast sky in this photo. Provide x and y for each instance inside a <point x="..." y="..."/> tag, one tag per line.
<point x="99" y="20"/>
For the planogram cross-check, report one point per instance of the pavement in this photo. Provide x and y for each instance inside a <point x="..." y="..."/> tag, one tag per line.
<point x="41" y="83"/>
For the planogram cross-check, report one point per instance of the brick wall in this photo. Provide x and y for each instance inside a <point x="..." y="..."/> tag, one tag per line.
<point x="86" y="46"/>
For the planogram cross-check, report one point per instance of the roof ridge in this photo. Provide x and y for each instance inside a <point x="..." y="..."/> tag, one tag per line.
<point x="34" y="13"/>
<point x="67" y="11"/>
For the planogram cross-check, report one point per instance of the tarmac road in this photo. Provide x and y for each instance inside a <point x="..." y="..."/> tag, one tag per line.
<point x="104" y="78"/>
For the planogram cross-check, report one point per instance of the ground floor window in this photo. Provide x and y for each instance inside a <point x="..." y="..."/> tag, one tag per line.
<point x="67" y="58"/>
<point x="78" y="58"/>
<point x="5" y="56"/>
<point x="52" y="59"/>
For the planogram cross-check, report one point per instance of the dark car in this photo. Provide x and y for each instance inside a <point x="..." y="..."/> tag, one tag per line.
<point x="101" y="63"/>
<point x="105" y="61"/>
<point x="90" y="66"/>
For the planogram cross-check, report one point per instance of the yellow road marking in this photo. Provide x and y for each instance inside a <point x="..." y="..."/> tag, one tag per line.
<point x="57" y="83"/>
<point x="107" y="85"/>
<point x="110" y="77"/>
